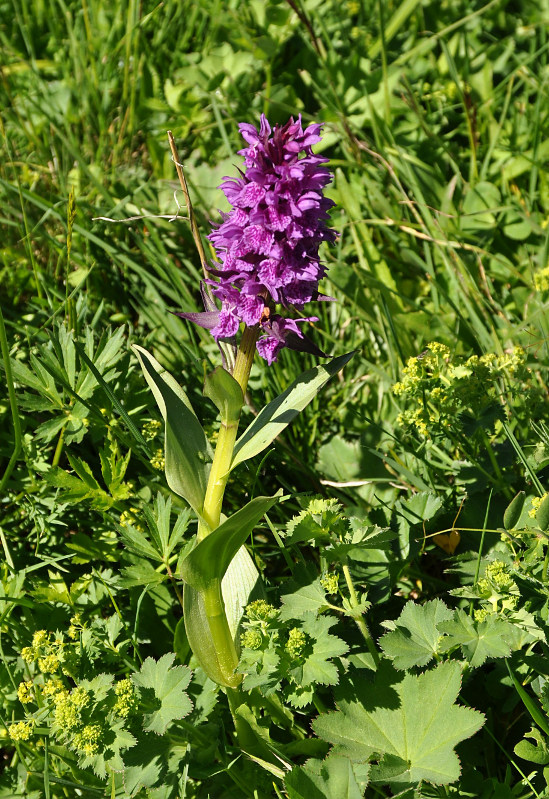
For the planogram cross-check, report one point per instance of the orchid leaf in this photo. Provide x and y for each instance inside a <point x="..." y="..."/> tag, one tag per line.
<point x="225" y="393"/>
<point x="188" y="452"/>
<point x="278" y="414"/>
<point x="211" y="557"/>
<point x="240" y="585"/>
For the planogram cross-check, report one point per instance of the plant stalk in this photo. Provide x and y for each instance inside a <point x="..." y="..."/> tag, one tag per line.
<point x="360" y="622"/>
<point x="213" y="597"/>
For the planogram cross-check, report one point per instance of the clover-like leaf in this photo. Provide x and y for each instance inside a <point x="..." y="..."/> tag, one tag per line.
<point x="412" y="729"/>
<point x="162" y="688"/>
<point x="414" y="638"/>
<point x="478" y="640"/>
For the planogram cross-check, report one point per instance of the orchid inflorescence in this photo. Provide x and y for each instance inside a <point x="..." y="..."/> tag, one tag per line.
<point x="267" y="244"/>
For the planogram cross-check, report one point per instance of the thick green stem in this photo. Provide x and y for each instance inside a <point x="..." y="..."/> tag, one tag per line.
<point x="221" y="465"/>
<point x="219" y="628"/>
<point x="213" y="501"/>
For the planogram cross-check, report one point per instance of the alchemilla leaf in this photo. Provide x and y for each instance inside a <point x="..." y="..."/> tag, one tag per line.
<point x="414" y="639"/>
<point x="490" y="638"/>
<point x="410" y="724"/>
<point x="162" y="687"/>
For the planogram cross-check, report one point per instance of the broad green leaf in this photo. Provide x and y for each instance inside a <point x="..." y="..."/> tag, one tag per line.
<point x="333" y="778"/>
<point x="478" y="640"/>
<point x="535" y="753"/>
<point x="481" y="202"/>
<point x="414" y="639"/>
<point x="211" y="557"/>
<point x="410" y="722"/>
<point x="513" y="511"/>
<point x="225" y="393"/>
<point x="416" y="510"/>
<point x="188" y="452"/>
<point x="278" y="414"/>
<point x="240" y="586"/>
<point x="542" y="514"/>
<point x="162" y="687"/>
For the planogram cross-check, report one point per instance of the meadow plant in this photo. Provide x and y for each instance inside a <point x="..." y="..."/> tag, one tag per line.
<point x="267" y="258"/>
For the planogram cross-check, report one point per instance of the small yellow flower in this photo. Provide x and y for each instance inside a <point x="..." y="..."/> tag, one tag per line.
<point x="25" y="692"/>
<point x="48" y="664"/>
<point x="21" y="731"/>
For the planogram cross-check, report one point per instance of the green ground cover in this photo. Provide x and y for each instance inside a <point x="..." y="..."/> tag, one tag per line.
<point x="437" y="129"/>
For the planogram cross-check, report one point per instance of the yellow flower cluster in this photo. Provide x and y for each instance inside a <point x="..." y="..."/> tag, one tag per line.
<point x="75" y="626"/>
<point x="441" y="387"/>
<point x="47" y="654"/>
<point x="69" y="706"/>
<point x="21" y="731"/>
<point x="260" y="610"/>
<point x="126" y="702"/>
<point x="541" y="279"/>
<point x="251" y="639"/>
<point x="330" y="582"/>
<point x="296" y="643"/>
<point x="157" y="460"/>
<point x="87" y="741"/>
<point x="536" y="502"/>
<point x="25" y="692"/>
<point x="260" y="616"/>
<point x="128" y="518"/>
<point x="151" y="429"/>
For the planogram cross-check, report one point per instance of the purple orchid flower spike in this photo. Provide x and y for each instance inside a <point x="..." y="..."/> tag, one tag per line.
<point x="267" y="244"/>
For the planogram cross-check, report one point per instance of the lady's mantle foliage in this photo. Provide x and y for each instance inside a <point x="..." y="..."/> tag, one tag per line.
<point x="268" y="243"/>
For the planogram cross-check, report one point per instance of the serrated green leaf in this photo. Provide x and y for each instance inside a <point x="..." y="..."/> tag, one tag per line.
<point x="158" y="682"/>
<point x="116" y="741"/>
<point x="478" y="640"/>
<point x="142" y="573"/>
<point x="412" y="723"/>
<point x="317" y="667"/>
<point x="136" y="541"/>
<point x="210" y="558"/>
<point x="333" y="778"/>
<point x="278" y="414"/>
<point x="188" y="452"/>
<point x="414" y="639"/>
<point x="310" y="597"/>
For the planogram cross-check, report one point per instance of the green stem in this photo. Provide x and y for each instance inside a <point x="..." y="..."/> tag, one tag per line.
<point x="221" y="465"/>
<point x="359" y="619"/>
<point x="211" y="514"/>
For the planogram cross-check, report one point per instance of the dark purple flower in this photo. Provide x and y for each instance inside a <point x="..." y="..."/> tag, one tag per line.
<point x="267" y="245"/>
